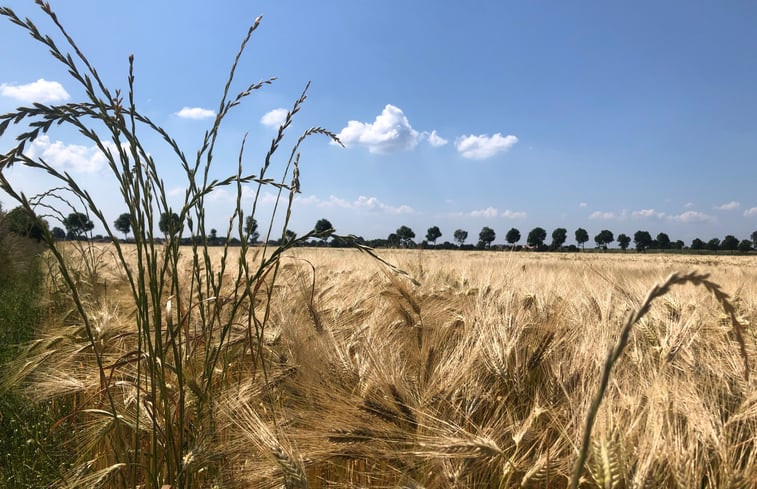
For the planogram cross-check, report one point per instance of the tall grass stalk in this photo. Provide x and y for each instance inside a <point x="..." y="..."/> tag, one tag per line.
<point x="154" y="406"/>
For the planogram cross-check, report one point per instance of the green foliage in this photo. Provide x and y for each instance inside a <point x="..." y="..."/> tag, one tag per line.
<point x="663" y="241"/>
<point x="405" y="235"/>
<point x="536" y="237"/>
<point x="486" y="237"/>
<point x="460" y="236"/>
<point x="323" y="228"/>
<point x="730" y="243"/>
<point x="512" y="236"/>
<point x="559" y="236"/>
<point x="170" y="223"/>
<point x="642" y="240"/>
<point x="604" y="238"/>
<point x="123" y="223"/>
<point x="745" y="245"/>
<point x="697" y="244"/>
<point x="78" y="223"/>
<point x="623" y="241"/>
<point x="713" y="244"/>
<point x="582" y="236"/>
<point x="251" y="229"/>
<point x="432" y="234"/>
<point x="22" y="222"/>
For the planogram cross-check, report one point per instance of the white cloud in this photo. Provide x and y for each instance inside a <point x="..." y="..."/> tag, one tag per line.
<point x="646" y="213"/>
<point x="435" y="140"/>
<point x="583" y="204"/>
<point x="484" y="146"/>
<point x="691" y="216"/>
<point x="391" y="131"/>
<point x="602" y="216"/>
<point x="274" y="118"/>
<point x="73" y="157"/>
<point x="41" y="91"/>
<point x="371" y="204"/>
<point x="488" y="212"/>
<point x="688" y="205"/>
<point x="730" y="206"/>
<point x="195" y="113"/>
<point x="508" y="214"/>
<point x="751" y="212"/>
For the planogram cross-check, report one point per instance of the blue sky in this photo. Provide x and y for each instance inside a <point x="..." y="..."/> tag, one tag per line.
<point x="602" y="115"/>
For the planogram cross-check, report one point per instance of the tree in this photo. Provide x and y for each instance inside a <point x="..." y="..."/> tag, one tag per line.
<point x="623" y="241"/>
<point x="713" y="244"/>
<point x="754" y="238"/>
<point x="536" y="237"/>
<point x="78" y="223"/>
<point x="324" y="228"/>
<point x="581" y="236"/>
<point x="251" y="229"/>
<point x="678" y="245"/>
<point x="485" y="237"/>
<point x="745" y="245"/>
<point x="289" y="236"/>
<point x="24" y="223"/>
<point x="663" y="241"/>
<point x="460" y="236"/>
<point x="697" y="244"/>
<point x="213" y="236"/>
<point x="729" y="243"/>
<point x="169" y="223"/>
<point x="642" y="239"/>
<point x="604" y="238"/>
<point x="512" y="236"/>
<point x="393" y="240"/>
<point x="559" y="236"/>
<point x="58" y="233"/>
<point x="433" y="234"/>
<point x="405" y="235"/>
<point x="123" y="224"/>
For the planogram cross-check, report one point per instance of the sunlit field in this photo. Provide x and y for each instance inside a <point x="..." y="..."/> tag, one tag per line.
<point x="475" y="369"/>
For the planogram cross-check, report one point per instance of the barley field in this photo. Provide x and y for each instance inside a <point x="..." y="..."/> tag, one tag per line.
<point x="453" y="369"/>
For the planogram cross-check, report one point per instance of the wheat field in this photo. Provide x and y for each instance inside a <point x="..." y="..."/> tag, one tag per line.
<point x="469" y="369"/>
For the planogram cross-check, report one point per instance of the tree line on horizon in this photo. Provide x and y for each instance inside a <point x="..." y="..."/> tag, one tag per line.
<point x="78" y="225"/>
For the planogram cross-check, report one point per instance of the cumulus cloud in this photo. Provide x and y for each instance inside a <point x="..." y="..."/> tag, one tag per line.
<point x="583" y="204"/>
<point x="41" y="91"/>
<point x="274" y="118"/>
<point x="488" y="212"/>
<point x="751" y="212"/>
<point x="730" y="206"/>
<point x="691" y="216"/>
<point x="435" y="140"/>
<point x="389" y="132"/>
<point x="688" y="205"/>
<point x="69" y="157"/>
<point x="484" y="146"/>
<point x="195" y="113"/>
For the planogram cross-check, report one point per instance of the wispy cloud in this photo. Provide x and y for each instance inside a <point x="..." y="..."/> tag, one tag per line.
<point x="606" y="216"/>
<point x="195" y="113"/>
<point x="389" y="132"/>
<point x="751" y="212"/>
<point x="435" y="140"/>
<point x="583" y="204"/>
<point x="41" y="91"/>
<point x="688" y="205"/>
<point x="274" y="118"/>
<point x="730" y="206"/>
<point x="484" y="146"/>
<point x="691" y="216"/>
<point x="647" y="213"/>
<point x="491" y="213"/>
